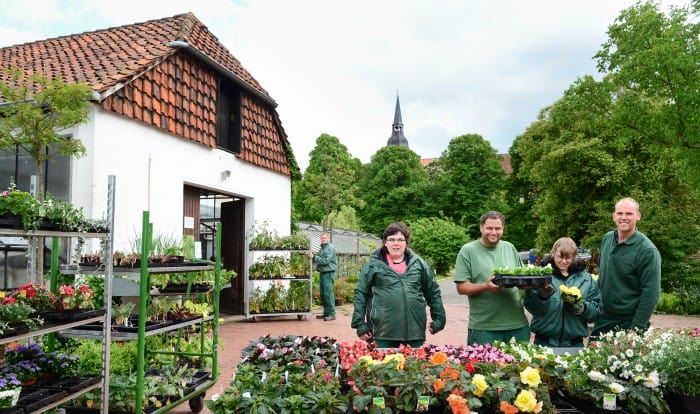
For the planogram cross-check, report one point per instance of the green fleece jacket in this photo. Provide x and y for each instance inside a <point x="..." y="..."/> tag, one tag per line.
<point x="393" y="307"/>
<point x="630" y="278"/>
<point x="549" y="316"/>
<point x="326" y="259"/>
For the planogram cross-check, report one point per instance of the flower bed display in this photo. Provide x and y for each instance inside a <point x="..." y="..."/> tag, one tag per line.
<point x="624" y="372"/>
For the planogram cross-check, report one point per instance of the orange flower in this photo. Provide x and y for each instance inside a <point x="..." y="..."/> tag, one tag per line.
<point x="438" y="358"/>
<point x="508" y="408"/>
<point x="449" y="373"/>
<point x="458" y="404"/>
<point x="438" y="385"/>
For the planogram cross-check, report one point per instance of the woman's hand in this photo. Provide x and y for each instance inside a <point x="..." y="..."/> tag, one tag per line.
<point x="365" y="336"/>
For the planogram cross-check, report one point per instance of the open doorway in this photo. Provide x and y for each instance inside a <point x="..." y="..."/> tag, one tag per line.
<point x="207" y="208"/>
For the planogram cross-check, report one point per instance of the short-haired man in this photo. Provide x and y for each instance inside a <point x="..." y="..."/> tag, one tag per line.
<point x="495" y="312"/>
<point x="629" y="275"/>
<point x="326" y="264"/>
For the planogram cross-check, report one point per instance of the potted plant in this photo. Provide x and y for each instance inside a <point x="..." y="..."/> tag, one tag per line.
<point x="679" y="367"/>
<point x="27" y="372"/>
<point x="15" y="317"/>
<point x="54" y="213"/>
<point x="36" y="296"/>
<point x="10" y="389"/>
<point x="14" y="202"/>
<point x="296" y="241"/>
<point x="80" y="297"/>
<point x="12" y="310"/>
<point x="122" y="312"/>
<point x="262" y="238"/>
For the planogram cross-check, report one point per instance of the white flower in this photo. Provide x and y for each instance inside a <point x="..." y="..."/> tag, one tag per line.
<point x="596" y="376"/>
<point x="639" y="368"/>
<point x="629" y="353"/>
<point x="652" y="381"/>
<point x="616" y="388"/>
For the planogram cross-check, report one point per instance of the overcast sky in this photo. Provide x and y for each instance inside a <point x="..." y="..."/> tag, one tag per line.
<point x="335" y="67"/>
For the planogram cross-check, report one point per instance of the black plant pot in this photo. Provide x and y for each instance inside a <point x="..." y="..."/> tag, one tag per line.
<point x="684" y="404"/>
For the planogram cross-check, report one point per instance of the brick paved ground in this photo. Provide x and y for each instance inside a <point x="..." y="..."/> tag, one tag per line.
<point x="236" y="333"/>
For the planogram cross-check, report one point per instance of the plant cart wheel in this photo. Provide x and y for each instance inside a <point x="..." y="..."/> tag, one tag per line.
<point x="197" y="402"/>
<point x="301" y="317"/>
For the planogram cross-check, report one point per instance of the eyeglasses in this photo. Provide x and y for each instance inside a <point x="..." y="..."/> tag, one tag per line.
<point x="393" y="240"/>
<point x="564" y="258"/>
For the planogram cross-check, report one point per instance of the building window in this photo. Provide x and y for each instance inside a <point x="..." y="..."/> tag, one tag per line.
<point x="229" y="117"/>
<point x="17" y="166"/>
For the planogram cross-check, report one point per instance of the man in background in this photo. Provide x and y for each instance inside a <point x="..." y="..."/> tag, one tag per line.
<point x="326" y="264"/>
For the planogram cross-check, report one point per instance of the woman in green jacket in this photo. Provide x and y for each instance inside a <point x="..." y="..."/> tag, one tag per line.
<point x="394" y="289"/>
<point x="557" y="322"/>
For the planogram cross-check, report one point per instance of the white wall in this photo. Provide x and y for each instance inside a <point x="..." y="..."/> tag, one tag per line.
<point x="152" y="166"/>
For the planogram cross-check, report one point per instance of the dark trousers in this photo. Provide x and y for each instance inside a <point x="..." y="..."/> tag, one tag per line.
<point x="327" y="294"/>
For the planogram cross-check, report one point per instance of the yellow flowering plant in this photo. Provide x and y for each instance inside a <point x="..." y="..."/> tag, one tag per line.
<point x="571" y="294"/>
<point x="401" y="380"/>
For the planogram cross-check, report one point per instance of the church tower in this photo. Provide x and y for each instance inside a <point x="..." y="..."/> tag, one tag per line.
<point x="397" y="137"/>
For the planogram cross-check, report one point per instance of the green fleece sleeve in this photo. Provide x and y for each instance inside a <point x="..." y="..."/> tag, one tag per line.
<point x="363" y="292"/>
<point x="433" y="296"/>
<point x="650" y="286"/>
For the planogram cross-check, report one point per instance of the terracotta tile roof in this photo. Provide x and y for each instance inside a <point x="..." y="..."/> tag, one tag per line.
<point x="162" y="72"/>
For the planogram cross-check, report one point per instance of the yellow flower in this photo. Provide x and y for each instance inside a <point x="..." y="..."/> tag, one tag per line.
<point x="570" y="294"/>
<point x="398" y="358"/>
<point x="527" y="402"/>
<point x="2" y="294"/>
<point x="594" y="276"/>
<point x="367" y="360"/>
<point x="530" y="376"/>
<point x="481" y="385"/>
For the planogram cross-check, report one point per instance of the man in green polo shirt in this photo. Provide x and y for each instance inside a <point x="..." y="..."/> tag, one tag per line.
<point x="495" y="312"/>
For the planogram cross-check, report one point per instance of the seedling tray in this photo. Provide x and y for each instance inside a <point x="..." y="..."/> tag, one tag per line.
<point x="522" y="281"/>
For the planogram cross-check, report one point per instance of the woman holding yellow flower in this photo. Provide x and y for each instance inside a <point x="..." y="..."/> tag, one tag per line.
<point x="561" y="311"/>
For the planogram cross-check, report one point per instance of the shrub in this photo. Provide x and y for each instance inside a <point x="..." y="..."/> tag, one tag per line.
<point x="438" y="240"/>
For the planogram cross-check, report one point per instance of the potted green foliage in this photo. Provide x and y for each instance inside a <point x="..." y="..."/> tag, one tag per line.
<point x="121" y="313"/>
<point x="299" y="265"/>
<point x="14" y="202"/>
<point x="296" y="241"/>
<point x="679" y="365"/>
<point x="262" y="237"/>
<point x="297" y="298"/>
<point x="12" y="310"/>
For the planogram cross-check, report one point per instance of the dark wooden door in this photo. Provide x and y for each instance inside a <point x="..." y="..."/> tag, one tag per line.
<point x="232" y="255"/>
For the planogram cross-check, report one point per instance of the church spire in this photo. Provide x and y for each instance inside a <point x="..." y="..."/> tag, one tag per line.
<point x="397" y="138"/>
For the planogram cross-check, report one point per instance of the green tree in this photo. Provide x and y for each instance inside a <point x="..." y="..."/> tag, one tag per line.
<point x="329" y="182"/>
<point x="628" y="134"/>
<point x="37" y="113"/>
<point x="34" y="117"/>
<point x="393" y="186"/>
<point x="438" y="240"/>
<point x="346" y="219"/>
<point x="472" y="180"/>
